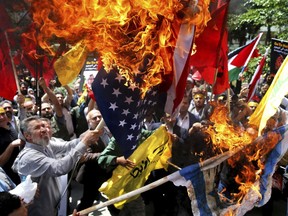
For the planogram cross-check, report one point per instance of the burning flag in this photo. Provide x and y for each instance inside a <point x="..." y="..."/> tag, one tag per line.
<point x="123" y="100"/>
<point x="254" y="165"/>
<point x="122" y="107"/>
<point x="38" y="64"/>
<point x="202" y="179"/>
<point x="147" y="43"/>
<point x="124" y="33"/>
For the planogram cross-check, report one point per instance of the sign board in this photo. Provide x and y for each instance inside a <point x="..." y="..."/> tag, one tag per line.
<point x="279" y="51"/>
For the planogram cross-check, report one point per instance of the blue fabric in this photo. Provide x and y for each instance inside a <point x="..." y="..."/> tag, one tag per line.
<point x="6" y="184"/>
<point x="122" y="108"/>
<point x="271" y="162"/>
<point x="195" y="175"/>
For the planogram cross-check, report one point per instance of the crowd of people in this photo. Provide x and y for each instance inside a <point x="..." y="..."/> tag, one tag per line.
<point x="50" y="131"/>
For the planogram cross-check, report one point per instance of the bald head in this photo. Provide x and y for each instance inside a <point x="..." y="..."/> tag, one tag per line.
<point x="93" y="118"/>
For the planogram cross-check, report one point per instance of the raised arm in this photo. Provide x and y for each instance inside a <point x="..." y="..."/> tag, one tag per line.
<point x="52" y="97"/>
<point x="69" y="96"/>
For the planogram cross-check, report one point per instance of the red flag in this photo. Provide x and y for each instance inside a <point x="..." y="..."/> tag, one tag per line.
<point x="180" y="62"/>
<point x="255" y="79"/>
<point x="7" y="81"/>
<point x="212" y="49"/>
<point x="246" y="53"/>
<point x="239" y="58"/>
<point x="31" y="60"/>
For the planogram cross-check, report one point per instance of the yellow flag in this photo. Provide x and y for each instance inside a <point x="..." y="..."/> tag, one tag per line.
<point x="146" y="156"/>
<point x="68" y="66"/>
<point x="272" y="99"/>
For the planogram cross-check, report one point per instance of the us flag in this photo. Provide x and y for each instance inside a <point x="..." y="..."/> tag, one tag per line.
<point x="122" y="107"/>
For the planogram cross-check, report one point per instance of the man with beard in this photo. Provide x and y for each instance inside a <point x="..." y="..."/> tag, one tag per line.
<point x="58" y="121"/>
<point x="200" y="110"/>
<point x="14" y="121"/>
<point x="23" y="91"/>
<point x="41" y="158"/>
<point x="9" y="146"/>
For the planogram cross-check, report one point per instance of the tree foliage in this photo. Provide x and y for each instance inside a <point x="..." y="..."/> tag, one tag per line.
<point x="256" y="14"/>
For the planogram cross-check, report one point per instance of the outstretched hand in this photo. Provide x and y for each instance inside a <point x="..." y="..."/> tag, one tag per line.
<point x="125" y="162"/>
<point x="91" y="136"/>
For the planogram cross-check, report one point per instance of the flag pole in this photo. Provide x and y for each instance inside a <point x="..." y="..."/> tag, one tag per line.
<point x="100" y="125"/>
<point x="127" y="195"/>
<point x="12" y="62"/>
<point x="250" y="54"/>
<point x="205" y="165"/>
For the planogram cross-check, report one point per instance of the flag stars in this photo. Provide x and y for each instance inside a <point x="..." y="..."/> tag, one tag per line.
<point x="133" y="127"/>
<point x="135" y="116"/>
<point x="122" y="123"/>
<point x="133" y="86"/>
<point x="133" y="147"/>
<point x="125" y="112"/>
<point x="113" y="106"/>
<point x="119" y="78"/>
<point x="130" y="137"/>
<point x="129" y="100"/>
<point x="104" y="83"/>
<point x="116" y="92"/>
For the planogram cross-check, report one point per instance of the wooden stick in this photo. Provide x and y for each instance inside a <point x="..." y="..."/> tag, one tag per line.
<point x="127" y="195"/>
<point x="12" y="62"/>
<point x="100" y="125"/>
<point x="205" y="165"/>
<point x="174" y="165"/>
<point x="229" y="100"/>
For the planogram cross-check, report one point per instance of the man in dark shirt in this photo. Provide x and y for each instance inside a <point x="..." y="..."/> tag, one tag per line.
<point x="90" y="174"/>
<point x="9" y="146"/>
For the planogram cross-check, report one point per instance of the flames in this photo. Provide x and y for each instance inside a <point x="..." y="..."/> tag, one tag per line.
<point x="247" y="165"/>
<point x="224" y="135"/>
<point x="135" y="36"/>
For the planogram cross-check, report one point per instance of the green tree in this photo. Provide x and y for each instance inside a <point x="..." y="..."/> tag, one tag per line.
<point x="258" y="13"/>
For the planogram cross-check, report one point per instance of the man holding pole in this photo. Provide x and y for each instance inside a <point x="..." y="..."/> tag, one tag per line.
<point x="41" y="158"/>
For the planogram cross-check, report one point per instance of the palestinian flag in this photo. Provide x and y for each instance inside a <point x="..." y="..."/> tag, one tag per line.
<point x="256" y="76"/>
<point x="239" y="58"/>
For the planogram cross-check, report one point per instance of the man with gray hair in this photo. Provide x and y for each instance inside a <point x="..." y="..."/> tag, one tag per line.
<point x="42" y="159"/>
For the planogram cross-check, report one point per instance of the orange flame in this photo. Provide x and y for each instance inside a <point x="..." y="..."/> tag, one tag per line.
<point x="250" y="161"/>
<point x="129" y="35"/>
<point x="223" y="134"/>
